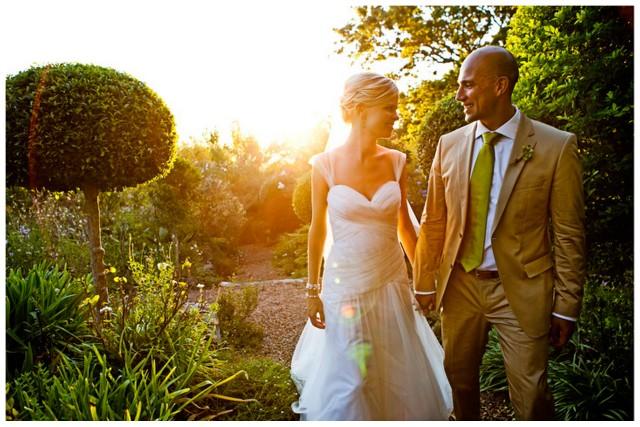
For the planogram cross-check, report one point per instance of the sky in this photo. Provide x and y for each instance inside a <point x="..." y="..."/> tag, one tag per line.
<point x="270" y="66"/>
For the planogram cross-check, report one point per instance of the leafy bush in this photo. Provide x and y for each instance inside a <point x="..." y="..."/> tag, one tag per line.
<point x="95" y="390"/>
<point x="445" y="117"/>
<point x="234" y="309"/>
<point x="586" y="388"/>
<point x="576" y="65"/>
<point x="43" y="225"/>
<point x="267" y="382"/>
<point x="25" y="247"/>
<point x="290" y="253"/>
<point x="45" y="316"/>
<point x="150" y="315"/>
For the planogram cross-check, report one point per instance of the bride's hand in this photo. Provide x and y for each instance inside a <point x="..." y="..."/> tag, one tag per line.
<point x="315" y="311"/>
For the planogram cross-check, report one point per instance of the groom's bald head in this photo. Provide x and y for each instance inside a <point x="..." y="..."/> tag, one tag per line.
<point x="496" y="60"/>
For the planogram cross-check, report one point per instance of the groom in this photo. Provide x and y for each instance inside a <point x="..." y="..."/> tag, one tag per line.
<point x="501" y="240"/>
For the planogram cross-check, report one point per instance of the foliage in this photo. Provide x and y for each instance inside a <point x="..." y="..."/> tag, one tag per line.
<point x="268" y="382"/>
<point x="234" y="309"/>
<point x="415" y="104"/>
<point x="43" y="225"/>
<point x="445" y="117"/>
<point x="595" y="376"/>
<point x="275" y="207"/>
<point x="302" y="198"/>
<point x="105" y="128"/>
<point x="248" y="188"/>
<point x="95" y="390"/>
<point x="220" y="212"/>
<point x="150" y="315"/>
<point x="585" y="388"/>
<point x="153" y="357"/>
<point x="172" y="198"/>
<point x="422" y="34"/>
<point x="576" y="73"/>
<point x="290" y="253"/>
<point x="44" y="316"/>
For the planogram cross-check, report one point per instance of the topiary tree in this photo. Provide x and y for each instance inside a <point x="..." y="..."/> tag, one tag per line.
<point x="71" y="126"/>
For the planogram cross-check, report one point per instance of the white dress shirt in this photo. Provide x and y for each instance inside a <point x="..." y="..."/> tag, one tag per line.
<point x="502" y="150"/>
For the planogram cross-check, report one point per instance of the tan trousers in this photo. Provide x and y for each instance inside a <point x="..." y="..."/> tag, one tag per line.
<point x="469" y="308"/>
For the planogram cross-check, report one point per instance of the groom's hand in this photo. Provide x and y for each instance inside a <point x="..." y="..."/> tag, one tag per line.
<point x="560" y="332"/>
<point x="426" y="303"/>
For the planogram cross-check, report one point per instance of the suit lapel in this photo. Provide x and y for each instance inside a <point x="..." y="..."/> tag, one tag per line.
<point x="464" y="172"/>
<point x="524" y="136"/>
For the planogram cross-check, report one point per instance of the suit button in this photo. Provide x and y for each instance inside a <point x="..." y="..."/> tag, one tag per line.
<point x="460" y="235"/>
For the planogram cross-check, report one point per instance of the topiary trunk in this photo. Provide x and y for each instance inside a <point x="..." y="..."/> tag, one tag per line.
<point x="95" y="244"/>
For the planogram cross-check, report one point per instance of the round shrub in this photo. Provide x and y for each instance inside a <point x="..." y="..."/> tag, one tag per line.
<point x="89" y="125"/>
<point x="302" y="198"/>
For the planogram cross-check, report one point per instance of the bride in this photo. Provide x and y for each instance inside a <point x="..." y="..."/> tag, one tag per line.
<point x="365" y="353"/>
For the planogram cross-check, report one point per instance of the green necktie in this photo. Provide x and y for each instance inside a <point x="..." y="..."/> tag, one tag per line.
<point x="472" y="249"/>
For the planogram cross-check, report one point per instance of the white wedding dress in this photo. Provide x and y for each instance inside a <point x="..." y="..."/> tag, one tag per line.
<point x="377" y="359"/>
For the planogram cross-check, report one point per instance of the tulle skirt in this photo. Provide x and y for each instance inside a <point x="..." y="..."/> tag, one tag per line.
<point x="377" y="359"/>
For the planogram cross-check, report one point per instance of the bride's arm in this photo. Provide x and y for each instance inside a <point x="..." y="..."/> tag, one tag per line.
<point x="318" y="228"/>
<point x="406" y="231"/>
<point x="315" y="245"/>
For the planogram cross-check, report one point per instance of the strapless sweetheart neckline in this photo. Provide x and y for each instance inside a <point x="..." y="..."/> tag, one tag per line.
<point x="362" y="195"/>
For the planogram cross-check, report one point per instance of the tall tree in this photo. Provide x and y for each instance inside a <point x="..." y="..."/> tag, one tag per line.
<point x="72" y="126"/>
<point x="418" y="34"/>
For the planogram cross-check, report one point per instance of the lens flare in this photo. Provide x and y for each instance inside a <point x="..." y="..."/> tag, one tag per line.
<point x="348" y="311"/>
<point x="360" y="353"/>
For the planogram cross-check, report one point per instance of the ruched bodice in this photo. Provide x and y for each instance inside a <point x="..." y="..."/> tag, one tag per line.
<point x="365" y="237"/>
<point x="350" y="209"/>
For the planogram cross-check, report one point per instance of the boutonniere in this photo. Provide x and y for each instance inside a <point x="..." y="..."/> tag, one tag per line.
<point x="527" y="153"/>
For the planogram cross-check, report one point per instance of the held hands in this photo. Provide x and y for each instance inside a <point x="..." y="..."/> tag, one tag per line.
<point x="426" y="303"/>
<point x="560" y="331"/>
<point x="315" y="312"/>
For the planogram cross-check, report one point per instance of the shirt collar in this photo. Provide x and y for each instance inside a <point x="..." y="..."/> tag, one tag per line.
<point x="509" y="129"/>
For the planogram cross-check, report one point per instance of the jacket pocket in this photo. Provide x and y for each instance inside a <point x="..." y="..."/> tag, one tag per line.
<point x="537" y="266"/>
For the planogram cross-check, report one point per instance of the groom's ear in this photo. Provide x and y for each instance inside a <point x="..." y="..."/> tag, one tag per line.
<point x="502" y="85"/>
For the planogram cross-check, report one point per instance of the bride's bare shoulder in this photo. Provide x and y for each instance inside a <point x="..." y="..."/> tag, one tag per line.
<point x="388" y="152"/>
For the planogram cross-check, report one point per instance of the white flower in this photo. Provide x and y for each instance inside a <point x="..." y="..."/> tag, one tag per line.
<point x="199" y="286"/>
<point x="280" y="185"/>
<point x="24" y="230"/>
<point x="163" y="266"/>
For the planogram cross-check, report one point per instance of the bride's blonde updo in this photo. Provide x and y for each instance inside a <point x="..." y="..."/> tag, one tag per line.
<point x="368" y="89"/>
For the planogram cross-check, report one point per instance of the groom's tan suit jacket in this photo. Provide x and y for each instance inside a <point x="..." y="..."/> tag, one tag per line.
<point x="538" y="229"/>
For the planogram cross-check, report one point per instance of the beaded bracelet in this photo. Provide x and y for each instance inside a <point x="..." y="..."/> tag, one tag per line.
<point x="312" y="286"/>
